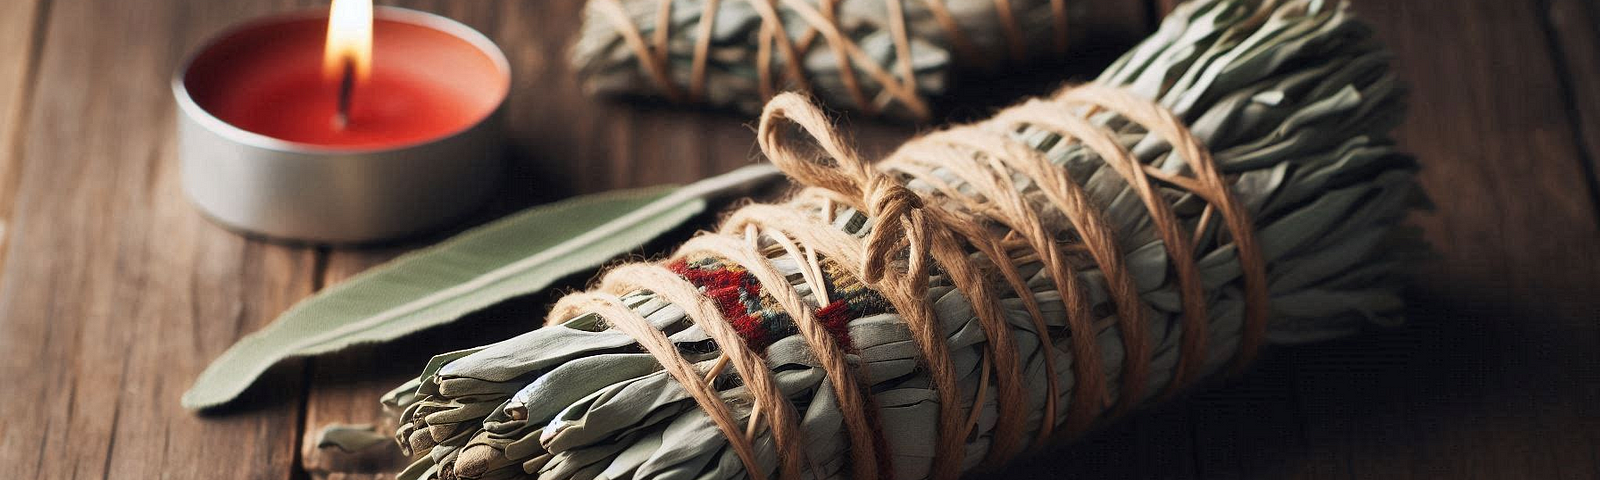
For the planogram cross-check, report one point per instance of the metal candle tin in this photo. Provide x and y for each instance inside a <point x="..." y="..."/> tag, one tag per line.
<point x="301" y="192"/>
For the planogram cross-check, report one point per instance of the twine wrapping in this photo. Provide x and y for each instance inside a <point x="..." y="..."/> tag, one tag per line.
<point x="822" y="333"/>
<point x="913" y="236"/>
<point x="821" y="20"/>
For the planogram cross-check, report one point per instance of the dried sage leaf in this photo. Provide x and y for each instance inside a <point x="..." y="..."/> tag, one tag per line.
<point x="514" y="256"/>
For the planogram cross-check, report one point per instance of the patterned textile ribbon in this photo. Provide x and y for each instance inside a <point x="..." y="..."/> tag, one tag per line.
<point x="910" y="239"/>
<point x="821" y="20"/>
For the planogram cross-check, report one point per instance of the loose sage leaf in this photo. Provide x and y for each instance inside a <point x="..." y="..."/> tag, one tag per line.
<point x="350" y="438"/>
<point x="514" y="256"/>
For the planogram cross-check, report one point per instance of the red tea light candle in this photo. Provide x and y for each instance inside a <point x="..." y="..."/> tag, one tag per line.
<point x="366" y="125"/>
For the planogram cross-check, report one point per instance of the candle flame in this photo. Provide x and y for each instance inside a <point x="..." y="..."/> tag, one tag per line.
<point x="349" y="47"/>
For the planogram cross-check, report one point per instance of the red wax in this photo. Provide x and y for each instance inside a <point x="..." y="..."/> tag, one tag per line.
<point x="426" y="84"/>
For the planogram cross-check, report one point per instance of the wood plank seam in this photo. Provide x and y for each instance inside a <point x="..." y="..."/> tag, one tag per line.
<point x="10" y="167"/>
<point x="116" y="417"/>
<point x="1559" y="58"/>
<point x="319" y="280"/>
<point x="297" y="469"/>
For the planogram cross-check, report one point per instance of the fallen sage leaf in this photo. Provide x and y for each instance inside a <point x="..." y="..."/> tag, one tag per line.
<point x="350" y="438"/>
<point x="514" y="256"/>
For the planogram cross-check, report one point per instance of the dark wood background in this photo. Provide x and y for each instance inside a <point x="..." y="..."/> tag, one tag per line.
<point x="115" y="293"/>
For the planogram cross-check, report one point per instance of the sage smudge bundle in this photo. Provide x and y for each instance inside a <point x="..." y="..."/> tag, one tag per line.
<point x="1228" y="183"/>
<point x="873" y="56"/>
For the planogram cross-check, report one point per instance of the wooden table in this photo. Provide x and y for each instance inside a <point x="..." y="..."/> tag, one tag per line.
<point x="115" y="292"/>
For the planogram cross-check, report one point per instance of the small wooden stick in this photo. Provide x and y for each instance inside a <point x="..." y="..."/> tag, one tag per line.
<point x="717" y="368"/>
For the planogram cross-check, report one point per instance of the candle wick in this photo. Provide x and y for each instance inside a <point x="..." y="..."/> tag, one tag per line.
<point x="346" y="88"/>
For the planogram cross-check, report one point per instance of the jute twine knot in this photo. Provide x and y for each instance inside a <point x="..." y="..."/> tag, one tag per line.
<point x="840" y="174"/>
<point x="912" y="235"/>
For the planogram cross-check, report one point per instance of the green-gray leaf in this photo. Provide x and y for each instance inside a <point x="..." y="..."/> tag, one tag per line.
<point x="350" y="438"/>
<point x="514" y="256"/>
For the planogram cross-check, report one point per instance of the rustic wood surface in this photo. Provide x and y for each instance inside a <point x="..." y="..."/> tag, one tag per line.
<point x="115" y="293"/>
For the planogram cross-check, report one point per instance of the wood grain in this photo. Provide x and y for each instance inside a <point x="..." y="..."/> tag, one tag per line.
<point x="1496" y="376"/>
<point x="115" y="292"/>
<point x="1574" y="33"/>
<point x="18" y="54"/>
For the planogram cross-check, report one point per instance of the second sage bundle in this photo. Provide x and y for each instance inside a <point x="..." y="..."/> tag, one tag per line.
<point x="875" y="56"/>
